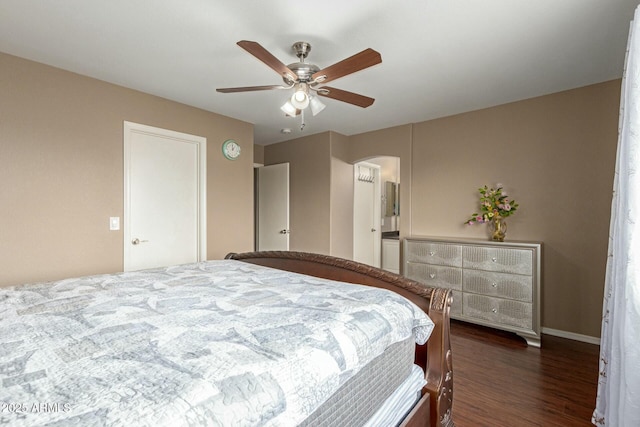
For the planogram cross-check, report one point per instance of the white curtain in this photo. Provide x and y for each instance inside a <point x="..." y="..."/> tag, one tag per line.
<point x="618" y="401"/>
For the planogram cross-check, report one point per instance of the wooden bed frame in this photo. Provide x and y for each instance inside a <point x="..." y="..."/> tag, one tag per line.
<point x="434" y="408"/>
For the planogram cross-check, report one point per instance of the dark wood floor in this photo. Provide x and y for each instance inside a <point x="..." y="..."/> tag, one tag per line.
<point x="500" y="381"/>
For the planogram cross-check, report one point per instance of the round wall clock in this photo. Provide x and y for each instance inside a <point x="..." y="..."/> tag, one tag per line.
<point x="231" y="149"/>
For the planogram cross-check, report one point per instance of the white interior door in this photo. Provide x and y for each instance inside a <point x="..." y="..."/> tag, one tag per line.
<point x="366" y="214"/>
<point x="273" y="208"/>
<point x="165" y="203"/>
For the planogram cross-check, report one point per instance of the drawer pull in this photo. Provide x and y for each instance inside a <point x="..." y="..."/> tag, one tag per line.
<point x="495" y="285"/>
<point x="494" y="259"/>
<point x="432" y="275"/>
<point x="431" y="253"/>
<point x="494" y="310"/>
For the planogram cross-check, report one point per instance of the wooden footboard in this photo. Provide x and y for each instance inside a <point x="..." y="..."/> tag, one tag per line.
<point x="434" y="357"/>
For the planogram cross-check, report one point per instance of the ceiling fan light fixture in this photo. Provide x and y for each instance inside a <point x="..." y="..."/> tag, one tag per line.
<point x="300" y="99"/>
<point x="303" y="77"/>
<point x="316" y="105"/>
<point x="289" y="109"/>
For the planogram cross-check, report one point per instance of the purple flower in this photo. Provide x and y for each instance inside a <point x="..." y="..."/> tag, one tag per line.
<point x="479" y="218"/>
<point x="507" y="207"/>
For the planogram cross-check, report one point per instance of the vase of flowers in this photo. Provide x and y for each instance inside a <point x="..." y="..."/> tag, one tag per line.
<point x="495" y="206"/>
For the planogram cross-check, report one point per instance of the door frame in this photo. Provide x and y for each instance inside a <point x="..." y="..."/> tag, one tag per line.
<point x="130" y="128"/>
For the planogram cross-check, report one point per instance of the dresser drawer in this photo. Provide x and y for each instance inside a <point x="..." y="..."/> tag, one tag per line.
<point x="504" y="260"/>
<point x="503" y="285"/>
<point x="434" y="253"/>
<point x="497" y="310"/>
<point x="434" y="275"/>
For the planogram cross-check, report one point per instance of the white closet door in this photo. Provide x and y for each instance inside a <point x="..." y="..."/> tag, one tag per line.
<point x="164" y="198"/>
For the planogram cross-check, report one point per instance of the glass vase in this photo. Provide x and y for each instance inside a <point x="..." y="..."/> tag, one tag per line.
<point x="498" y="229"/>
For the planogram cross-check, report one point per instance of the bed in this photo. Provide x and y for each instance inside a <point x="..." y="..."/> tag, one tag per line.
<point x="271" y="338"/>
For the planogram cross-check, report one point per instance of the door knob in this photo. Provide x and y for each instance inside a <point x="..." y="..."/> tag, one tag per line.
<point x="373" y="230"/>
<point x="137" y="241"/>
<point x="285" y="231"/>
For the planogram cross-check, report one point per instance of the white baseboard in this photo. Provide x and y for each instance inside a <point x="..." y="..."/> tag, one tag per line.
<point x="571" y="336"/>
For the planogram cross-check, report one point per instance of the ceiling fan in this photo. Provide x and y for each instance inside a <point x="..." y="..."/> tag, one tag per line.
<point x="305" y="78"/>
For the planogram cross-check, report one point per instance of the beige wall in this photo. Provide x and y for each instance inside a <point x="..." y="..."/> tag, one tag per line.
<point x="258" y="154"/>
<point x="326" y="225"/>
<point x="61" y="169"/>
<point x="341" y="198"/>
<point x="321" y="192"/>
<point x="309" y="161"/>
<point x="555" y="155"/>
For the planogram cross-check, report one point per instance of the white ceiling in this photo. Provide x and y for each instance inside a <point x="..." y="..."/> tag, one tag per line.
<point x="439" y="57"/>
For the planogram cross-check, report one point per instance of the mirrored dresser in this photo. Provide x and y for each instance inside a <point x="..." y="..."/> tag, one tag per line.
<point x="495" y="284"/>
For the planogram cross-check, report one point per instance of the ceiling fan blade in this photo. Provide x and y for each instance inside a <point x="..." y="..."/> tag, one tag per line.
<point x="345" y="96"/>
<point x="357" y="62"/>
<point x="250" y="88"/>
<point x="265" y="56"/>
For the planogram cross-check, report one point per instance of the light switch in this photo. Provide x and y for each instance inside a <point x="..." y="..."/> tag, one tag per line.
<point x="114" y="223"/>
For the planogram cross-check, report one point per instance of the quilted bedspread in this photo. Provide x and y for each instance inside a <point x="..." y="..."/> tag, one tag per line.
<point x="217" y="343"/>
